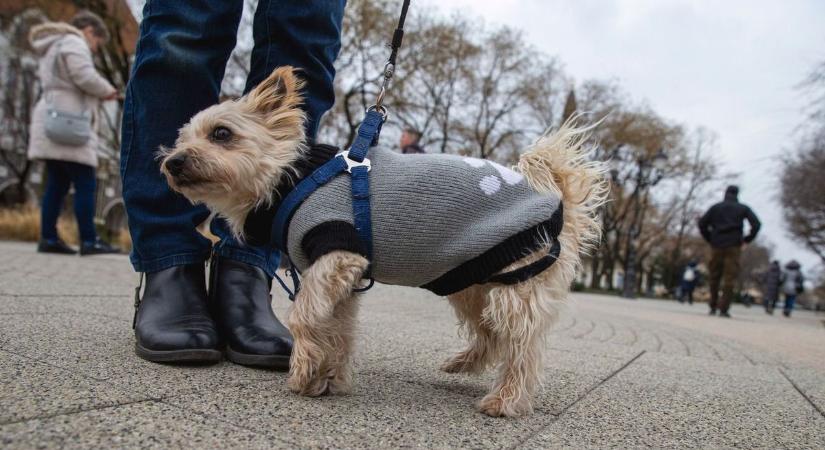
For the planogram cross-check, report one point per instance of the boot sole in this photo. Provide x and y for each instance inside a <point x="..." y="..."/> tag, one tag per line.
<point x="185" y="356"/>
<point x="279" y="362"/>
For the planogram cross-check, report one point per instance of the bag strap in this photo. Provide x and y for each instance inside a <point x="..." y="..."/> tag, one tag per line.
<point x="59" y="56"/>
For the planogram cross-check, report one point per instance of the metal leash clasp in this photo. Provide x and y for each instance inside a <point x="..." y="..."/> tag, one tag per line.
<point x="389" y="71"/>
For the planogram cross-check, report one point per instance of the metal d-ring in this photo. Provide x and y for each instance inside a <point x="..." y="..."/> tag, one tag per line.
<point x="381" y="109"/>
<point x="351" y="163"/>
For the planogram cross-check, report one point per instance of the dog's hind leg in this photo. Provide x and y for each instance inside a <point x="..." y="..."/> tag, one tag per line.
<point x="519" y="316"/>
<point x="468" y="305"/>
<point x="321" y="322"/>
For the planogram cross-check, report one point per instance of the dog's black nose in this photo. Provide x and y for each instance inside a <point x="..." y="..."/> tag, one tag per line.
<point x="174" y="165"/>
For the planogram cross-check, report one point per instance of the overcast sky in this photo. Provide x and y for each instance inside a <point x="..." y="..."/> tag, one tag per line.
<point x="731" y="66"/>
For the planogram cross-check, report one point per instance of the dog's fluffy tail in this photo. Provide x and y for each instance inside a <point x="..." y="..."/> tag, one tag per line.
<point x="560" y="162"/>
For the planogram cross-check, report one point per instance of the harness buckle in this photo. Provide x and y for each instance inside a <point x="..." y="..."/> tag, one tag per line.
<point x="351" y="163"/>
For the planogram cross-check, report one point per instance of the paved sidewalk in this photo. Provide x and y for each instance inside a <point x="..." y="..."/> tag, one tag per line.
<point x="620" y="374"/>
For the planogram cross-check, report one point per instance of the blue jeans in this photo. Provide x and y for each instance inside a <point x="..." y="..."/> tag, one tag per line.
<point x="179" y="64"/>
<point x="790" y="299"/>
<point x="60" y="175"/>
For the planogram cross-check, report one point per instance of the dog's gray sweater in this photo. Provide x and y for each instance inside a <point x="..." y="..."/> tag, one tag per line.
<point x="438" y="221"/>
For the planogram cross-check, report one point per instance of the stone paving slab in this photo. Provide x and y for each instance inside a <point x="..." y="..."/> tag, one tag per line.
<point x="113" y="306"/>
<point x="102" y="348"/>
<point x="30" y="389"/>
<point x="147" y="424"/>
<point x="809" y="382"/>
<point x="393" y="405"/>
<point x="660" y="404"/>
<point x="25" y="272"/>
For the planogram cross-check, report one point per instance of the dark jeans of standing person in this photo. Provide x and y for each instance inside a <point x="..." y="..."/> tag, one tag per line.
<point x="687" y="292"/>
<point x="180" y="61"/>
<point x="790" y="300"/>
<point x="770" y="304"/>
<point x="60" y="176"/>
<point x="724" y="269"/>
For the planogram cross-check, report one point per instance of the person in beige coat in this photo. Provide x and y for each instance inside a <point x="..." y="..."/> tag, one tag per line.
<point x="71" y="84"/>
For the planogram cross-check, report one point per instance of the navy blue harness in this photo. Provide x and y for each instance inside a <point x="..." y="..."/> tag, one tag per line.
<point x="354" y="162"/>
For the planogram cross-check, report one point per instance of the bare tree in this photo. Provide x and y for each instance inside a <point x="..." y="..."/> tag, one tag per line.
<point x="631" y="137"/>
<point x="367" y="28"/>
<point x="802" y="188"/>
<point x="697" y="172"/>
<point x="496" y="92"/>
<point x="803" y="194"/>
<point x="468" y="90"/>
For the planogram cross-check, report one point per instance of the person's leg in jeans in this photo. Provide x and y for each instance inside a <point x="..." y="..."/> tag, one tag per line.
<point x="716" y="268"/>
<point x="179" y="64"/>
<point x="731" y="273"/>
<point x="306" y="35"/>
<point x="83" y="178"/>
<point x="790" y="299"/>
<point x="85" y="181"/>
<point x="57" y="186"/>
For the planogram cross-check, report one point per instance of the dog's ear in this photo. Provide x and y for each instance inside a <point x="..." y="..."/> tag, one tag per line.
<point x="280" y="90"/>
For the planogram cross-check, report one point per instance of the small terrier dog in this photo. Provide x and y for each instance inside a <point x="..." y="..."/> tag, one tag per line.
<point x="234" y="155"/>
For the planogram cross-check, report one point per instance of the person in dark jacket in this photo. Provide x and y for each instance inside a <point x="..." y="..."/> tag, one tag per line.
<point x="409" y="141"/>
<point x="722" y="228"/>
<point x="690" y="279"/>
<point x="793" y="284"/>
<point x="770" y="286"/>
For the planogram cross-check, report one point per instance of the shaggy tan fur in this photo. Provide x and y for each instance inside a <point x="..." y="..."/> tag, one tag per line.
<point x="234" y="177"/>
<point x="506" y="324"/>
<point x="322" y="321"/>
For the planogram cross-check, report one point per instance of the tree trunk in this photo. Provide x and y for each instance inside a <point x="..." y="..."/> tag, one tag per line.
<point x="594" y="272"/>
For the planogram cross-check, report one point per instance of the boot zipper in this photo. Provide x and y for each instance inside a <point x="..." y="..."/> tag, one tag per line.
<point x="137" y="298"/>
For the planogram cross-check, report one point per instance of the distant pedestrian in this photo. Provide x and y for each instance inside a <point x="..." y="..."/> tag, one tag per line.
<point x="792" y="285"/>
<point x="722" y="228"/>
<point x="770" y="286"/>
<point x="409" y="141"/>
<point x="690" y="279"/>
<point x="62" y="128"/>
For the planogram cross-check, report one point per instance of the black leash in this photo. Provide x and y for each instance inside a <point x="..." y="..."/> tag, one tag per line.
<point x="398" y="35"/>
<point x="389" y="68"/>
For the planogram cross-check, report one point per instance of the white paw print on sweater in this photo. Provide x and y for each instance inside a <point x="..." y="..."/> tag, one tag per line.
<point x="491" y="184"/>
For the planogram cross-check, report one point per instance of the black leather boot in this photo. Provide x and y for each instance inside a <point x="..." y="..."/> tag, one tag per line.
<point x="241" y="304"/>
<point x="98" y="247"/>
<point x="172" y="322"/>
<point x="57" y="246"/>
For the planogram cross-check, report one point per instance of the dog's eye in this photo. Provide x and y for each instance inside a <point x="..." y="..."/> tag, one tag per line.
<point x="221" y="134"/>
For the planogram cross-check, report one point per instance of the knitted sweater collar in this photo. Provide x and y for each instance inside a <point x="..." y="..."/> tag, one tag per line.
<point x="258" y="224"/>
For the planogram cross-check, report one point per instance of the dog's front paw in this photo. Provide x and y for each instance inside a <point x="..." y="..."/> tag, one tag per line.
<point x="495" y="406"/>
<point x="306" y="376"/>
<point x="309" y="386"/>
<point x="340" y="382"/>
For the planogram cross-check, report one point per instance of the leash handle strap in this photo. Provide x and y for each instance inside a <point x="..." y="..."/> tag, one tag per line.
<point x="398" y="35"/>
